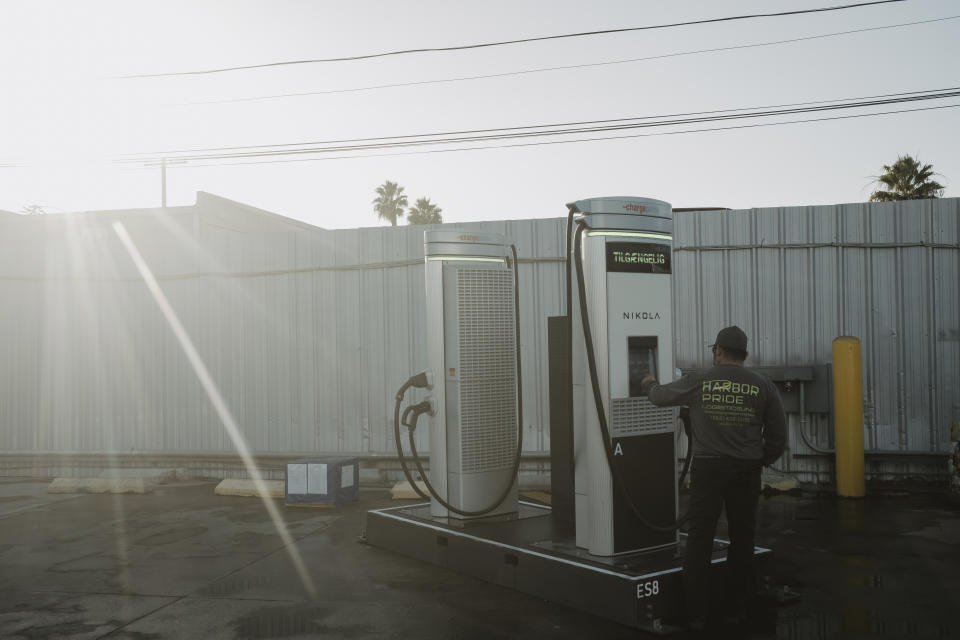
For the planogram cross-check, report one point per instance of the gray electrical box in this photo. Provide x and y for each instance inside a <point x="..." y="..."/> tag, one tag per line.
<point x="330" y="480"/>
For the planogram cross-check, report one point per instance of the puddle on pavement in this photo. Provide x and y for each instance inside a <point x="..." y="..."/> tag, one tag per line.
<point x="94" y="562"/>
<point x="280" y="622"/>
<point x="855" y="559"/>
<point x="867" y="581"/>
<point x="851" y="515"/>
<point x="232" y="585"/>
<point x="171" y="535"/>
<point x="62" y="630"/>
<point x="856" y="620"/>
<point x="276" y="625"/>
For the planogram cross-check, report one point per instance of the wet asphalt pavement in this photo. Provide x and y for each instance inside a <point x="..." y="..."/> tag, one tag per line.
<point x="182" y="562"/>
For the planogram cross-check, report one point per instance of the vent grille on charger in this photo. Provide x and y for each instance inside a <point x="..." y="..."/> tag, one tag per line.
<point x="632" y="416"/>
<point x="488" y="369"/>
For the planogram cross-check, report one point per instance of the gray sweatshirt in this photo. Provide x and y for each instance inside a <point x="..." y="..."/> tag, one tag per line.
<point x="734" y="412"/>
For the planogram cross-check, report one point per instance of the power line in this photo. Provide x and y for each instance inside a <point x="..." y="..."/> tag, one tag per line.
<point x="488" y="76"/>
<point x="586" y="127"/>
<point x="509" y="42"/>
<point x="570" y="124"/>
<point x="508" y="134"/>
<point x="569" y="131"/>
<point x="539" y="126"/>
<point x="605" y="138"/>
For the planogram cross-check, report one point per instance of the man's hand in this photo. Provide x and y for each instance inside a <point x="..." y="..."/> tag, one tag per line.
<point x="647" y="380"/>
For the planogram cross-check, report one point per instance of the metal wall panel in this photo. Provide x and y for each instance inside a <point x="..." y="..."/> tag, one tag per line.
<point x="884" y="272"/>
<point x="308" y="333"/>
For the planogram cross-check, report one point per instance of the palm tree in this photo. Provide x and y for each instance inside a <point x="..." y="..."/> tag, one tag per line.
<point x="907" y="179"/>
<point x="424" y="212"/>
<point x="389" y="202"/>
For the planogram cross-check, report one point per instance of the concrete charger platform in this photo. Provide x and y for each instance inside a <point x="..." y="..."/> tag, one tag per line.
<point x="530" y="553"/>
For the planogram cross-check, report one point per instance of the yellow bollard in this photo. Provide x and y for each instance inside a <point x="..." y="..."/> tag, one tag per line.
<point x="848" y="417"/>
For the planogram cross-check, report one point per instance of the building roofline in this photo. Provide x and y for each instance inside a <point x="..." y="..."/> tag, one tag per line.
<point x="204" y="197"/>
<point x="204" y="202"/>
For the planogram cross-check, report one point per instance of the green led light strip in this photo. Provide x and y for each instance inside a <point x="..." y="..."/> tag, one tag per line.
<point x="631" y="234"/>
<point x="465" y="259"/>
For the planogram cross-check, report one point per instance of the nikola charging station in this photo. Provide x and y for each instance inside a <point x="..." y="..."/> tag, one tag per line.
<point x="624" y="448"/>
<point x="610" y="541"/>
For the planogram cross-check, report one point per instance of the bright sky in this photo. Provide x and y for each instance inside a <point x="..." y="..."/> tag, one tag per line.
<point x="67" y="115"/>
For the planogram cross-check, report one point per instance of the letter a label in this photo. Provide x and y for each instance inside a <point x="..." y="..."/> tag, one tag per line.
<point x="618" y="451"/>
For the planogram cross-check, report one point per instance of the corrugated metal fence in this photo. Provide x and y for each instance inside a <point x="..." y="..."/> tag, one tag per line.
<point x="795" y="278"/>
<point x="309" y="332"/>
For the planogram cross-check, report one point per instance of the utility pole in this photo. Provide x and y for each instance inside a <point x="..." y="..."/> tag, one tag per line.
<point x="163" y="176"/>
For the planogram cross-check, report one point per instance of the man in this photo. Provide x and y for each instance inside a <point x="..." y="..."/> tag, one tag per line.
<point x="738" y="426"/>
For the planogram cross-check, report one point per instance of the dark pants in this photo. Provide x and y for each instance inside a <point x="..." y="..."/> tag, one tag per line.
<point x="717" y="483"/>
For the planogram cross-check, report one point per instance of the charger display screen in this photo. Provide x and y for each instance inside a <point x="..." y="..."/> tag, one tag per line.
<point x="642" y="360"/>
<point x="634" y="257"/>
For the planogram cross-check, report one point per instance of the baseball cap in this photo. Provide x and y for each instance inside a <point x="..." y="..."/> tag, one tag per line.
<point x="731" y="338"/>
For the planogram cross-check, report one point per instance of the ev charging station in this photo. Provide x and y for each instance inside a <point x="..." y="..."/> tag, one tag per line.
<point x="624" y="449"/>
<point x="474" y="418"/>
<point x="608" y="543"/>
